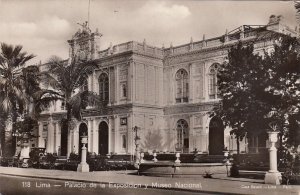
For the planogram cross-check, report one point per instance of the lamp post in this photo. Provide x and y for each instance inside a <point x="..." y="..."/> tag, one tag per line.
<point x="83" y="166"/>
<point x="136" y="142"/>
<point x="273" y="176"/>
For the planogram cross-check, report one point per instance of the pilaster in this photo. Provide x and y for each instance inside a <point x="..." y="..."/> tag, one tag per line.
<point x="90" y="136"/>
<point x="110" y="146"/>
<point x="191" y="84"/>
<point x="116" y="84"/>
<point x="117" y="122"/>
<point x="129" y="135"/>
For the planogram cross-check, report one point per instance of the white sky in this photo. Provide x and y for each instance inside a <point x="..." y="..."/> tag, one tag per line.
<point x="44" y="26"/>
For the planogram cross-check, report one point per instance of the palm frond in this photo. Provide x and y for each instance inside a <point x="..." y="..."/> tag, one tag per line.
<point x="82" y="72"/>
<point x="49" y="80"/>
<point x="81" y="100"/>
<point x="297" y="7"/>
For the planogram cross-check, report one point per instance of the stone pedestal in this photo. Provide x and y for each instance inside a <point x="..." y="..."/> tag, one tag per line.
<point x="154" y="157"/>
<point x="25" y="151"/>
<point x="142" y="157"/>
<point x="273" y="176"/>
<point x="83" y="166"/>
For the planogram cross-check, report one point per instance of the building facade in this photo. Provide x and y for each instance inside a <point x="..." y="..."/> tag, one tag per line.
<point x="165" y="93"/>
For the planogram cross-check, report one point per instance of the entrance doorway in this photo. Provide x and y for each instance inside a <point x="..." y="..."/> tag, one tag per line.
<point x="83" y="130"/>
<point x="103" y="138"/>
<point x="216" y="136"/>
<point x="182" y="129"/>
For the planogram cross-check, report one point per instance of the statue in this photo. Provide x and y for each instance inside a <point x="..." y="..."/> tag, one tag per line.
<point x="275" y="19"/>
<point x="85" y="27"/>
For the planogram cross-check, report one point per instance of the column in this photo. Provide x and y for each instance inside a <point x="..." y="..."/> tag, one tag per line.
<point x="58" y="137"/>
<point x="117" y="121"/>
<point x="75" y="145"/>
<point x="54" y="137"/>
<point x="93" y="83"/>
<point x="40" y="134"/>
<point x="273" y="176"/>
<point x="50" y="133"/>
<point x="95" y="136"/>
<point x="92" y="135"/>
<point x="109" y="135"/>
<point x="70" y="132"/>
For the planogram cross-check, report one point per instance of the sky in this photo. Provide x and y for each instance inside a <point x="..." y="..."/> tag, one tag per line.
<point x="44" y="26"/>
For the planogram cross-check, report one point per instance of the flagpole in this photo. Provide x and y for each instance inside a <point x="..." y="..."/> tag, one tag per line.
<point x="89" y="14"/>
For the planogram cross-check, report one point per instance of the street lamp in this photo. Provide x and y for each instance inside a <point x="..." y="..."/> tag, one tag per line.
<point x="136" y="142"/>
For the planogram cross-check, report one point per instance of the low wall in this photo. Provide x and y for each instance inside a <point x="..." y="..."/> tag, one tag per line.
<point x="170" y="169"/>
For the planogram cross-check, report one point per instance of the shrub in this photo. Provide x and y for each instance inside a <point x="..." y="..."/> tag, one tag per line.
<point x="234" y="170"/>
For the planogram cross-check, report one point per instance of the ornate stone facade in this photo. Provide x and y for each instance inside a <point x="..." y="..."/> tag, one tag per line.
<point x="170" y="112"/>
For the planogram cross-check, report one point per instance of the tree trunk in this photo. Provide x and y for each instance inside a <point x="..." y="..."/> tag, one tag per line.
<point x="69" y="119"/>
<point x="238" y="145"/>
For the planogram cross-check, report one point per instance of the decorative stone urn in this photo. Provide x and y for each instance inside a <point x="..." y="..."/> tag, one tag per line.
<point x="154" y="157"/>
<point x="177" y="161"/>
<point x="273" y="176"/>
<point x="24" y="146"/>
<point x="83" y="166"/>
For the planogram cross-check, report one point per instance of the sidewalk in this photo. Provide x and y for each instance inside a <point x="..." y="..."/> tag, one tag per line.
<point x="220" y="184"/>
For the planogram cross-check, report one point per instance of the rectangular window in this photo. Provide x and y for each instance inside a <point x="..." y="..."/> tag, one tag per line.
<point x="63" y="105"/>
<point x="123" y="88"/>
<point x="123" y="121"/>
<point x="124" y="142"/>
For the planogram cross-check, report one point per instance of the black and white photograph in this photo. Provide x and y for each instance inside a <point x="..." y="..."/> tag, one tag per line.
<point x="152" y="97"/>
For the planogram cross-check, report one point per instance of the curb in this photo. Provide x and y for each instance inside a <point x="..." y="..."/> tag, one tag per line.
<point x="107" y="183"/>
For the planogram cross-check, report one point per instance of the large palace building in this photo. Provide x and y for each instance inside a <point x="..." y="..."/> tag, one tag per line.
<point x="164" y="93"/>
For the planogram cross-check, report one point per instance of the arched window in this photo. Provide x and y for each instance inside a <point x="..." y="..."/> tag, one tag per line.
<point x="213" y="84"/>
<point x="85" y="85"/>
<point x="182" y="86"/>
<point x="182" y="129"/>
<point x="103" y="87"/>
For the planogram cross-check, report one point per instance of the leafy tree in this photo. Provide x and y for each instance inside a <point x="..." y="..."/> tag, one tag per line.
<point x="257" y="90"/>
<point x="284" y="65"/>
<point x="241" y="83"/>
<point x="153" y="141"/>
<point x="68" y="78"/>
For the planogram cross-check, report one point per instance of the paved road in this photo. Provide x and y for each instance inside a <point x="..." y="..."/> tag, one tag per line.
<point x="14" y="185"/>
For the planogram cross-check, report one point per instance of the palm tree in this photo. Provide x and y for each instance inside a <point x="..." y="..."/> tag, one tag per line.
<point x="297" y="7"/>
<point x="12" y="61"/>
<point x="37" y="98"/>
<point x="20" y="91"/>
<point x="68" y="78"/>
